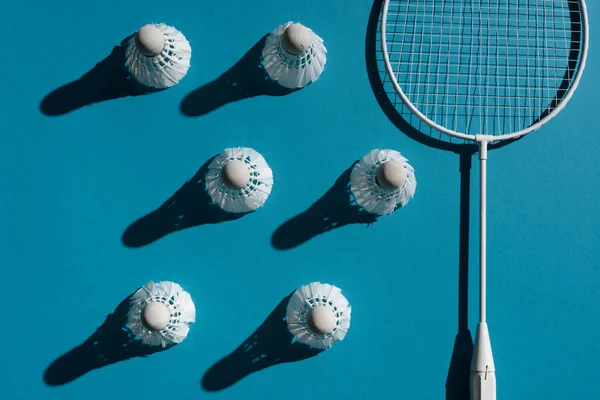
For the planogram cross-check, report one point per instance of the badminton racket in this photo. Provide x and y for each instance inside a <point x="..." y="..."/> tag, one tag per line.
<point x="484" y="71"/>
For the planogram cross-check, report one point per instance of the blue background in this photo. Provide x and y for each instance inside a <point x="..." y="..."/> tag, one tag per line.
<point x="72" y="184"/>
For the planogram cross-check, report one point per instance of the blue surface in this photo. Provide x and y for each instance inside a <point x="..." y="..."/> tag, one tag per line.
<point x="72" y="184"/>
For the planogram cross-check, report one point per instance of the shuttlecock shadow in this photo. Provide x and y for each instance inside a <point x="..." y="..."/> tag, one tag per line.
<point x="247" y="78"/>
<point x="111" y="343"/>
<point x="190" y="206"/>
<point x="271" y="344"/>
<point x="108" y="80"/>
<point x="335" y="209"/>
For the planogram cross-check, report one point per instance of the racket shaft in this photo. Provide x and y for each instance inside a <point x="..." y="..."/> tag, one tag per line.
<point x="482" y="229"/>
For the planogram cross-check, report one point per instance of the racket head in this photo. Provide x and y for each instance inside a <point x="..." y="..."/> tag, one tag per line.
<point x="499" y="68"/>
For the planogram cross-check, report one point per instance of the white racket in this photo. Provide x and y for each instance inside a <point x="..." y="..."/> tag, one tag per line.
<point x="484" y="71"/>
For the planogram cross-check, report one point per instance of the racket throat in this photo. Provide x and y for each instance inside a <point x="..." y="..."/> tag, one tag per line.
<point x="483" y="141"/>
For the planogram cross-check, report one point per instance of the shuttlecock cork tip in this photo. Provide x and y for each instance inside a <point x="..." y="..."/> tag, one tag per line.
<point x="156" y="316"/>
<point x="296" y="39"/>
<point x="150" y="40"/>
<point x="321" y="320"/>
<point x="391" y="175"/>
<point x="235" y="174"/>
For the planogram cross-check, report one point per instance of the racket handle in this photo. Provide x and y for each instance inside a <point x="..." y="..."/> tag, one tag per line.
<point x="483" y="386"/>
<point x="483" y="371"/>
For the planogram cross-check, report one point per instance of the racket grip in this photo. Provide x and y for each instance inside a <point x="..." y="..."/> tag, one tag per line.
<point x="483" y="385"/>
<point x="483" y="371"/>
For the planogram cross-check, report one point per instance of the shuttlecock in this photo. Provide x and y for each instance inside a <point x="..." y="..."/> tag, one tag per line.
<point x="383" y="180"/>
<point x="318" y="315"/>
<point x="239" y="180"/>
<point x="158" y="56"/>
<point x="160" y="313"/>
<point x="294" y="55"/>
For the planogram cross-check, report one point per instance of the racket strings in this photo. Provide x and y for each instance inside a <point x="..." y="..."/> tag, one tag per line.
<point x="484" y="67"/>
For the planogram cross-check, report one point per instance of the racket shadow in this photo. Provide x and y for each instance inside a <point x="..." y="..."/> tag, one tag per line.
<point x="333" y="210"/>
<point x="246" y="79"/>
<point x="393" y="107"/>
<point x="108" y="80"/>
<point x="271" y="344"/>
<point x="190" y="206"/>
<point x="458" y="382"/>
<point x="458" y="378"/>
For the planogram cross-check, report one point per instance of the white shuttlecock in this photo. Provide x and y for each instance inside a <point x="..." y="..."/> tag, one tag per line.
<point x="383" y="180"/>
<point x="239" y="180"/>
<point x="160" y="313"/>
<point x="294" y="55"/>
<point x="318" y="315"/>
<point x="158" y="56"/>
